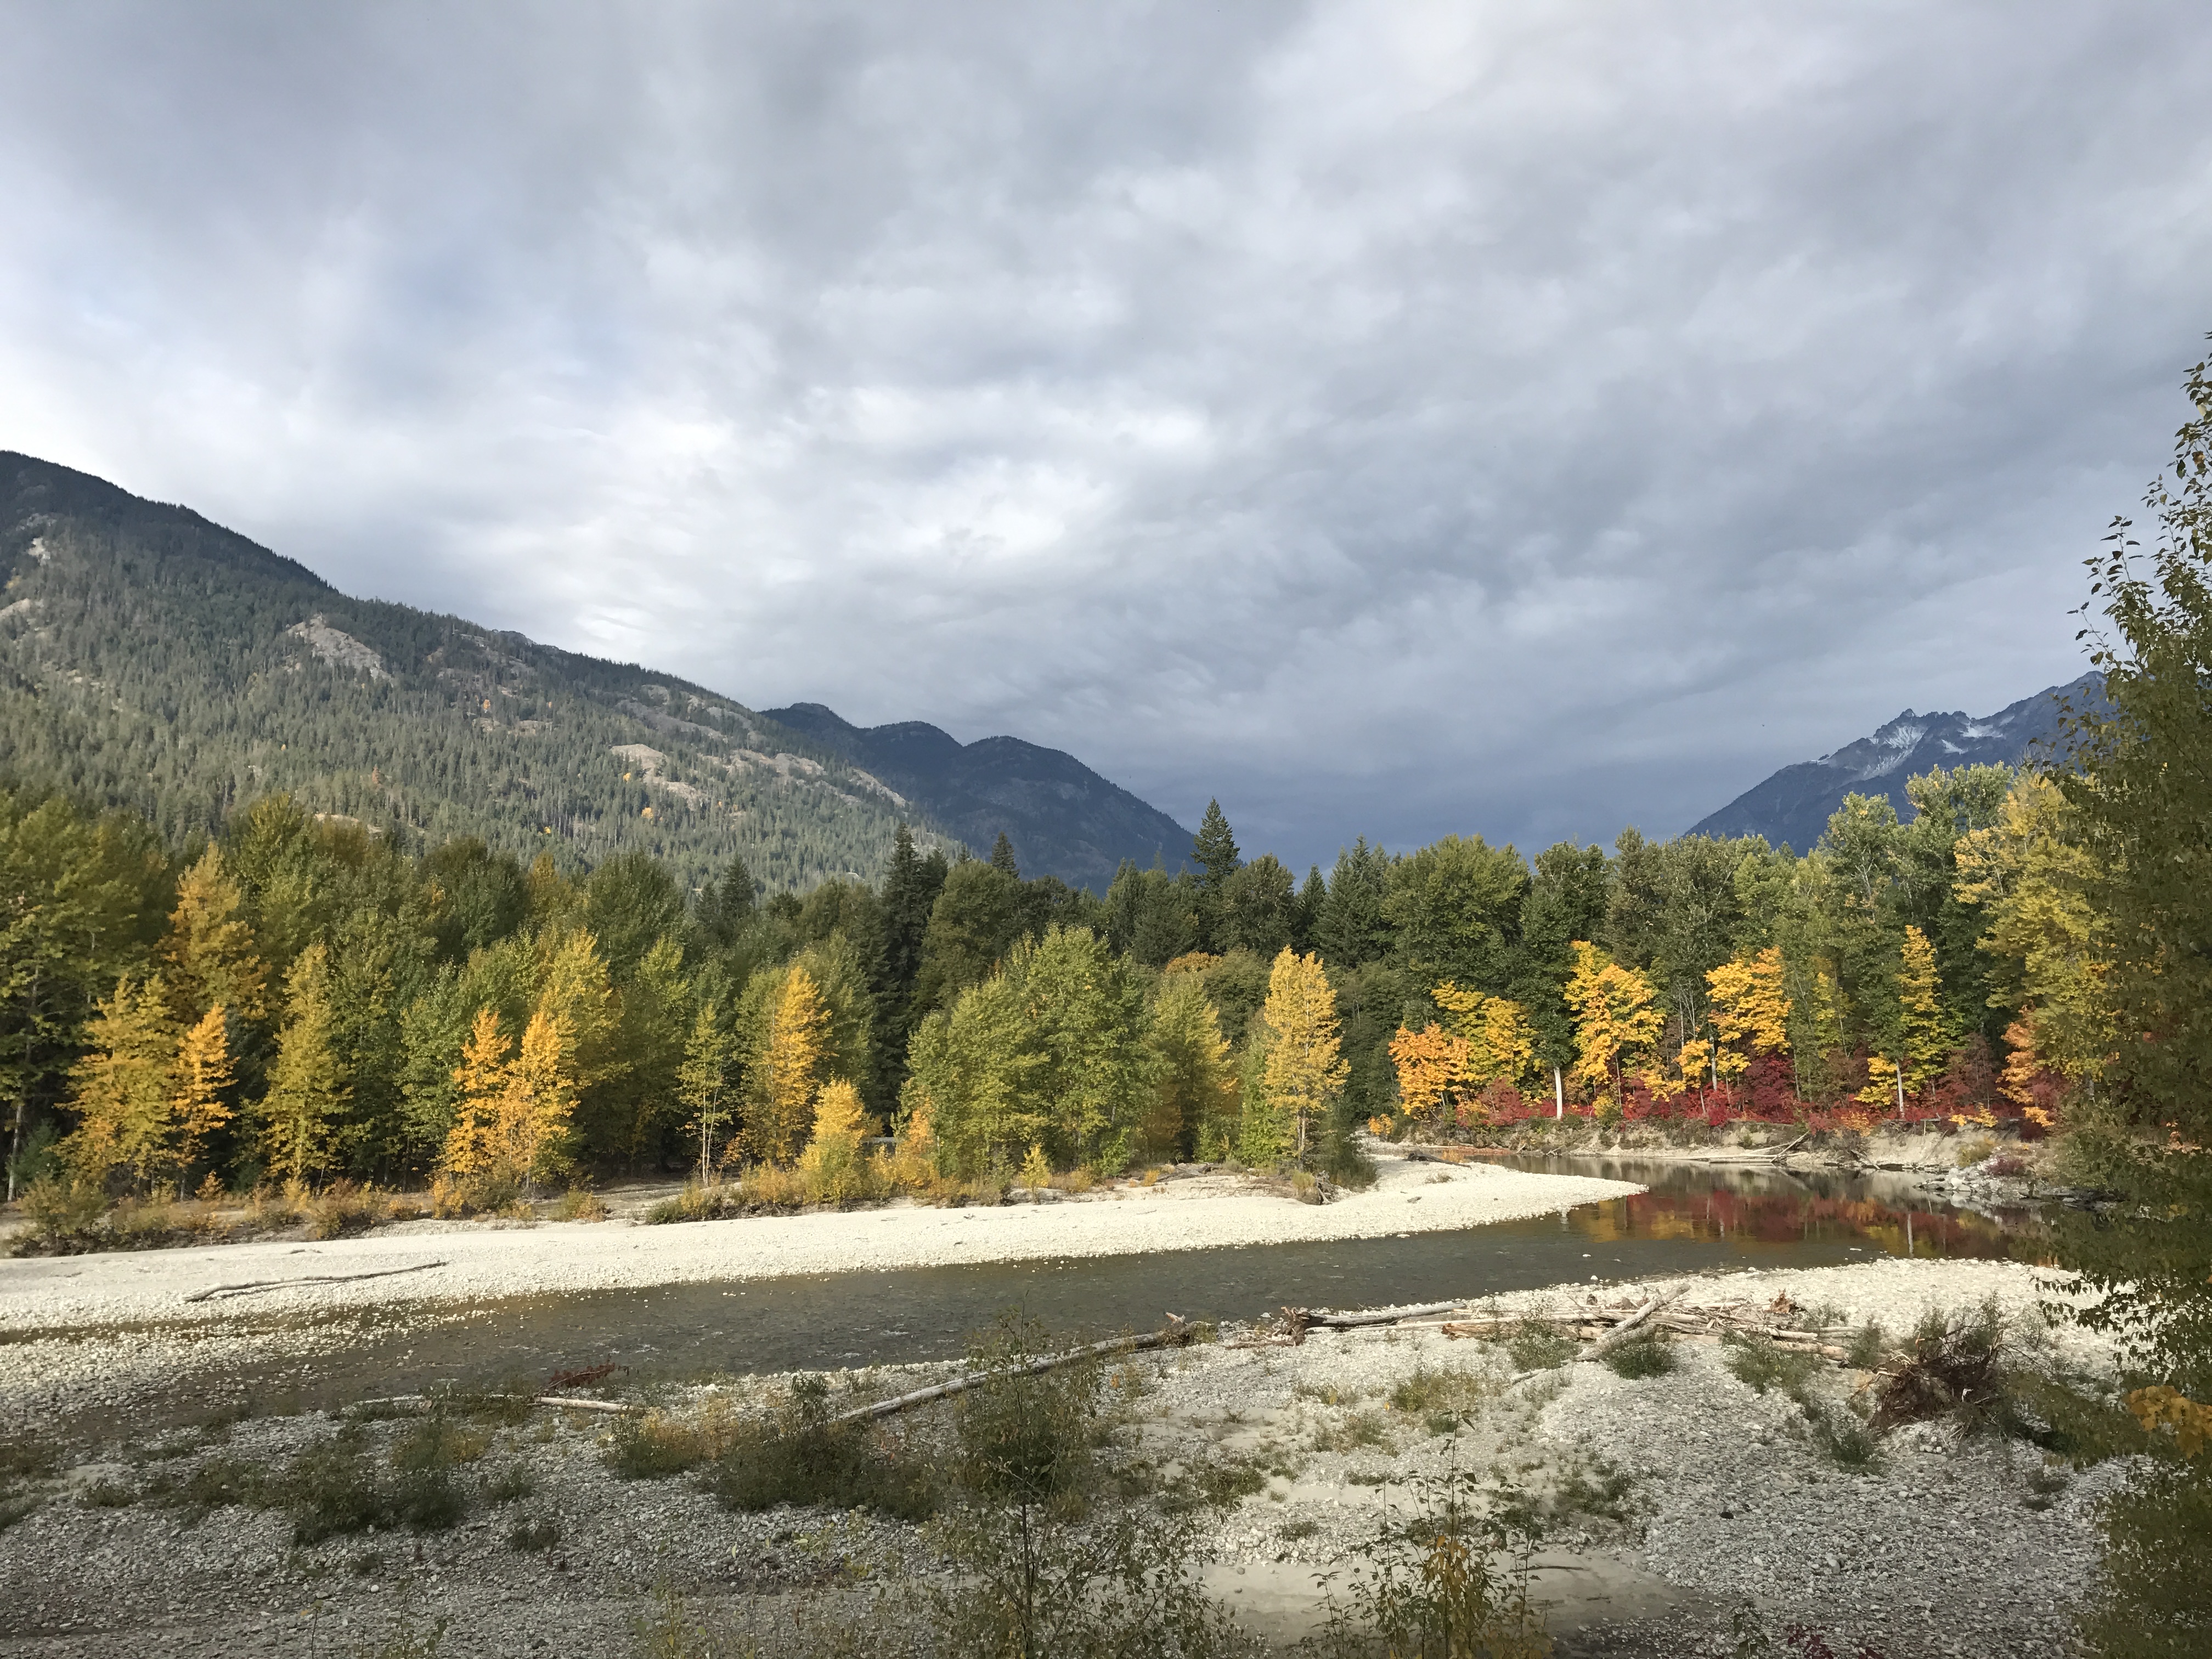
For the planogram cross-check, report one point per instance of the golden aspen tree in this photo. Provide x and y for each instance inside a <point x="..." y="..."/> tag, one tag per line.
<point x="203" y="1075"/>
<point x="1613" y="1015"/>
<point x="830" y="1169"/>
<point x="1922" y="1042"/>
<point x="1431" y="1063"/>
<point x="539" y="1103"/>
<point x="299" y="1115"/>
<point x="210" y="950"/>
<point x="121" y="1089"/>
<point x="789" y="1072"/>
<point x="1751" y="1009"/>
<point x="1501" y="1042"/>
<point x="1304" y="1069"/>
<point x="1036" y="1170"/>
<point x="480" y="1081"/>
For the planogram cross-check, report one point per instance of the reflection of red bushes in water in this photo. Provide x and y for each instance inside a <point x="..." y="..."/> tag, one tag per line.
<point x="1784" y="1218"/>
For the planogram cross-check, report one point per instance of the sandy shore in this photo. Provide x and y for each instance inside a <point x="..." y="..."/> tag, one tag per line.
<point x="430" y="1261"/>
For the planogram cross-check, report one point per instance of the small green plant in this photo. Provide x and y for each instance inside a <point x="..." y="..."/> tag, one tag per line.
<point x="1431" y="1584"/>
<point x="534" y="1533"/>
<point x="108" y="1494"/>
<point x="1447" y="1394"/>
<point x="666" y="1629"/>
<point x="511" y="1485"/>
<point x="1761" y="1364"/>
<point x="1842" y="1438"/>
<point x="1641" y="1357"/>
<point x="650" y="1446"/>
<point x="1357" y="1431"/>
<point x="803" y="1456"/>
<point x="1971" y="1152"/>
<point x="1596" y="1487"/>
<point x="1538" y="1345"/>
<point x="1868" y="1348"/>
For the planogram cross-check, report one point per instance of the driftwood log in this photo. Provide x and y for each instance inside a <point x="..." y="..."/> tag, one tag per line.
<point x="1620" y="1333"/>
<point x="256" y="1286"/>
<point x="1174" y="1334"/>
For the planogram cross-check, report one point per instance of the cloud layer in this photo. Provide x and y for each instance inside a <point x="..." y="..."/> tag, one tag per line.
<point x="1392" y="419"/>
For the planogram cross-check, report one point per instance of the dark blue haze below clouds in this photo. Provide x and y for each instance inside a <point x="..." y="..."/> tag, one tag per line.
<point x="1392" y="419"/>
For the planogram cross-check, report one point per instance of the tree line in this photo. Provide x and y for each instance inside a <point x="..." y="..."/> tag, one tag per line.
<point x="299" y="1000"/>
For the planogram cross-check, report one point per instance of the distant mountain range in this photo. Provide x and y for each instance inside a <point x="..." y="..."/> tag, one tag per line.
<point x="1793" y="806"/>
<point x="1062" y="817"/>
<point x="151" y="660"/>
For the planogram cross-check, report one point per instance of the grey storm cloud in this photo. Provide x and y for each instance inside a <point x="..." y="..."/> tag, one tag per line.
<point x="1392" y="419"/>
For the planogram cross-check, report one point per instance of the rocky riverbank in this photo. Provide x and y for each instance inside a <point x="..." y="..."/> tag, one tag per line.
<point x="1673" y="1507"/>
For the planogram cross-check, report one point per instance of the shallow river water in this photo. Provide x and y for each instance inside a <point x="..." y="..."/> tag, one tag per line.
<point x="1694" y="1218"/>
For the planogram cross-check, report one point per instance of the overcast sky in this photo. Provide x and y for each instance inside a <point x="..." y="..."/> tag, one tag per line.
<point x="1399" y="419"/>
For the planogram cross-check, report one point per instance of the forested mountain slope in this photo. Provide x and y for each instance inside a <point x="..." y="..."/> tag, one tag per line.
<point x="1793" y="807"/>
<point x="151" y="660"/>
<point x="1062" y="819"/>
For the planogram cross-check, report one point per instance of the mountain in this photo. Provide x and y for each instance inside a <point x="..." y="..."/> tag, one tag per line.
<point x="1062" y="817"/>
<point x="1793" y="806"/>
<point x="151" y="660"/>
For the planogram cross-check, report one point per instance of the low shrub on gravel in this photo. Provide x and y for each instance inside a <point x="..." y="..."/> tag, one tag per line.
<point x="802" y="1457"/>
<point x="1868" y="1348"/>
<point x="534" y="1533"/>
<point x="1433" y="1583"/>
<point x="1539" y="1346"/>
<point x="654" y="1446"/>
<point x="1760" y="1363"/>
<point x="1845" y="1440"/>
<point x="1641" y="1357"/>
<point x="1442" y="1392"/>
<point x="21" y="1463"/>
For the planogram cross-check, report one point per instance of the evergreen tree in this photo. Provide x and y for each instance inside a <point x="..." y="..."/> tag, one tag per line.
<point x="307" y="1091"/>
<point x="1214" y="849"/>
<point x="727" y="905"/>
<point x="1352" y="929"/>
<point x="1002" y="857"/>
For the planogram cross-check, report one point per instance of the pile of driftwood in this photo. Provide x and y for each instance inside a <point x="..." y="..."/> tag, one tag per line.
<point x="1606" y="1325"/>
<point x="1603" y="1325"/>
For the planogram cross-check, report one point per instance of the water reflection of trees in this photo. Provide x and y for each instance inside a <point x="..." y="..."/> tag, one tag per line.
<point x="1722" y="1215"/>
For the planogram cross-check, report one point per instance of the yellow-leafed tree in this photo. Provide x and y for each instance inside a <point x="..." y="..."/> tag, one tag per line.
<point x="1751" y="1009"/>
<point x="1433" y="1064"/>
<point x="831" y="1169"/>
<point x="470" y="1149"/>
<point x="539" y="1102"/>
<point x="213" y="961"/>
<point x="1615" y="1015"/>
<point x="787" y="1073"/>
<point x="512" y="1121"/>
<point x="1195" y="1105"/>
<point x="203" y="1075"/>
<point x="1501" y="1042"/>
<point x="1304" y="1069"/>
<point x="122" y="1089"/>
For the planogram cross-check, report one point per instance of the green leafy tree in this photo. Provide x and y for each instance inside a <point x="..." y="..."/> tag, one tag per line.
<point x="1455" y="910"/>
<point x="307" y="1090"/>
<point x="704" y="1082"/>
